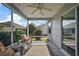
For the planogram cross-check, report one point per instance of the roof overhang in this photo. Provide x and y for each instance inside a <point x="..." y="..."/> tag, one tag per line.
<point x="25" y="12"/>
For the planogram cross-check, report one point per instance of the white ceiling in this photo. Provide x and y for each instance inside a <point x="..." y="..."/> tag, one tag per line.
<point x="47" y="14"/>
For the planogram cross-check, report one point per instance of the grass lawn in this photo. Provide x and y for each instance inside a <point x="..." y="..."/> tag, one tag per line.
<point x="42" y="39"/>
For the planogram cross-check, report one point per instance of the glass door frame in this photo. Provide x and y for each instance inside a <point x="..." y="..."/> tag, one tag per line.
<point x="76" y="29"/>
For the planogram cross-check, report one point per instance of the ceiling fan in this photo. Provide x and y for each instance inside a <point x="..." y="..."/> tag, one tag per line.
<point x="39" y="6"/>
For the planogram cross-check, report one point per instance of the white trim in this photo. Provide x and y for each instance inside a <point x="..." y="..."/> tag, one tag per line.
<point x="70" y="9"/>
<point x="76" y="31"/>
<point x="11" y="27"/>
<point x="61" y="32"/>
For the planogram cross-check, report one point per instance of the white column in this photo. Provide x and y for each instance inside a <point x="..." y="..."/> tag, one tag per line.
<point x="11" y="27"/>
<point x="28" y="28"/>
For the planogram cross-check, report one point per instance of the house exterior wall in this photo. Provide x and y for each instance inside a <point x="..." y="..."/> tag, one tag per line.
<point x="56" y="25"/>
<point x="43" y="28"/>
<point x="5" y="27"/>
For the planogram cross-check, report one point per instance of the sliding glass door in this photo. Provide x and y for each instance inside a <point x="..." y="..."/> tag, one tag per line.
<point x="69" y="27"/>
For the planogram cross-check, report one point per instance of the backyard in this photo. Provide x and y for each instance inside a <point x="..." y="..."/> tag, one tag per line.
<point x="41" y="39"/>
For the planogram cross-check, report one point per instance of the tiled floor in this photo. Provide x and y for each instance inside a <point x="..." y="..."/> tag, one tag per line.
<point x="38" y="50"/>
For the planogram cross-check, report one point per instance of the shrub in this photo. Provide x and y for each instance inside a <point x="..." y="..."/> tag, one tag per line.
<point x="38" y="32"/>
<point x="5" y="37"/>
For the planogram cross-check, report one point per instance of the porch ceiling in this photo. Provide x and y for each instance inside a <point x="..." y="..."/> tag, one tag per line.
<point x="28" y="9"/>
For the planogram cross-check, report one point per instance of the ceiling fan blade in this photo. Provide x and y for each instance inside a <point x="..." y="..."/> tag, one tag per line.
<point x="46" y="8"/>
<point x="34" y="11"/>
<point x="41" y="12"/>
<point x="31" y="6"/>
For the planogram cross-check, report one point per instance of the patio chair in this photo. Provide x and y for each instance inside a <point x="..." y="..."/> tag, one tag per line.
<point x="6" y="51"/>
<point x="16" y="49"/>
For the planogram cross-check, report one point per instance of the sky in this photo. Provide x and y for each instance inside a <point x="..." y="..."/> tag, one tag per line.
<point x="5" y="15"/>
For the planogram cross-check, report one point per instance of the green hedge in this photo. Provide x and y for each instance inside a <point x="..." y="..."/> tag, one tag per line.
<point x="5" y="37"/>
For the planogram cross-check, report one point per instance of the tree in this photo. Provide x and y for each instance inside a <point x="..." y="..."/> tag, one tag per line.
<point x="38" y="32"/>
<point x="18" y="35"/>
<point x="32" y="28"/>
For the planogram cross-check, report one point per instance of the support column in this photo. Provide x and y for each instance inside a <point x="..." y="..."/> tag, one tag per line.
<point x="11" y="27"/>
<point x="30" y="41"/>
<point x="77" y="35"/>
<point x="28" y="28"/>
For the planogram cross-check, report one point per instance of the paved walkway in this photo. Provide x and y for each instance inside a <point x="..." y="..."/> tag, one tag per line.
<point x="40" y="49"/>
<point x="38" y="43"/>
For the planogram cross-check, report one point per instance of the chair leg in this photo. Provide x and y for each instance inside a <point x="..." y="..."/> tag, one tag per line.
<point x="21" y="51"/>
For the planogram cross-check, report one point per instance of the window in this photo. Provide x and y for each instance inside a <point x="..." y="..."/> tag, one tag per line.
<point x="68" y="23"/>
<point x="49" y="27"/>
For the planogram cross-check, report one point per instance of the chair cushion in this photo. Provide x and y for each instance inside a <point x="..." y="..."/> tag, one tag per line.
<point x="9" y="52"/>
